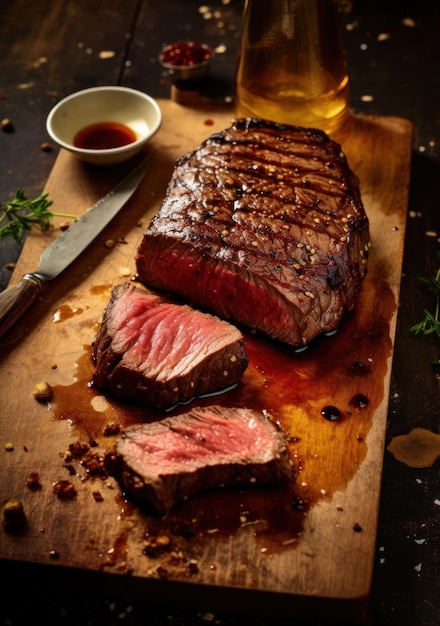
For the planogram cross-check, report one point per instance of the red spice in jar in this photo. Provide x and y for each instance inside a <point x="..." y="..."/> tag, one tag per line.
<point x="186" y="53"/>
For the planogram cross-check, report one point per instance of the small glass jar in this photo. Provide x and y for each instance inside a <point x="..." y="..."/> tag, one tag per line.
<point x="291" y="65"/>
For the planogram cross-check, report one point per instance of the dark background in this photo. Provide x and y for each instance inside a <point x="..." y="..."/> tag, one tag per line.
<point x="51" y="48"/>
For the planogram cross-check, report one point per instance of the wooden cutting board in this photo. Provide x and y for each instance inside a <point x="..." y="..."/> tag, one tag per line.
<point x="306" y="551"/>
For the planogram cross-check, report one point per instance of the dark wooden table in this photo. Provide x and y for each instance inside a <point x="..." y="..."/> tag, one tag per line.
<point x="51" y="48"/>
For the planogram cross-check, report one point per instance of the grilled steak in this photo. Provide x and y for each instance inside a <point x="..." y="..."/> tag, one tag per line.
<point x="165" y="462"/>
<point x="262" y="224"/>
<point x="159" y="353"/>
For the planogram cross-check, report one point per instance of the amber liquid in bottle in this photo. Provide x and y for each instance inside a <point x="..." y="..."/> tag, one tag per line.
<point x="291" y="67"/>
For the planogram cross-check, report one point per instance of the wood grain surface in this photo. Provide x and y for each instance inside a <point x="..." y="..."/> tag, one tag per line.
<point x="306" y="551"/>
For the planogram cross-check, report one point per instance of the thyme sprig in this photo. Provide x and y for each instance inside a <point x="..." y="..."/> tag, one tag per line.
<point x="19" y="215"/>
<point x="431" y="322"/>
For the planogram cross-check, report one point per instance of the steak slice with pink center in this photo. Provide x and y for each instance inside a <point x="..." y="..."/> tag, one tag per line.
<point x="158" y="353"/>
<point x="165" y="462"/>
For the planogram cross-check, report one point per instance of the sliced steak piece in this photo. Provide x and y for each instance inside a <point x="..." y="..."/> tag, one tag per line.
<point x="262" y="224"/>
<point x="165" y="462"/>
<point x="154" y="352"/>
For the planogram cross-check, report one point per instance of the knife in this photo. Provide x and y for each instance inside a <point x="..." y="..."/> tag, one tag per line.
<point x="17" y="299"/>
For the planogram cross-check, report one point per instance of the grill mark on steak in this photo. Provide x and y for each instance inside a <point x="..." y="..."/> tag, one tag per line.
<point x="262" y="224"/>
<point x="165" y="462"/>
<point x="158" y="353"/>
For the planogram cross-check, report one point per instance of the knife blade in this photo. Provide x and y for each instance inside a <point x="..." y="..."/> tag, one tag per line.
<point x="17" y="299"/>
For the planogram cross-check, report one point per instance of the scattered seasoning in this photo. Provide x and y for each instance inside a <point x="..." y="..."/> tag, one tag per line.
<point x="162" y="572"/>
<point x="64" y="490"/>
<point x="408" y="21"/>
<point x="42" y="392"/>
<point x="46" y="147"/>
<point x="33" y="481"/>
<point x="9" y="446"/>
<point x="111" y="429"/>
<point x="94" y="464"/>
<point x="14" y="517"/>
<point x="98" y="496"/>
<point x="154" y="546"/>
<point x="54" y="554"/>
<point x="70" y="469"/>
<point x="6" y="125"/>
<point x="106" y="54"/>
<point x="208" y="617"/>
<point x="78" y="449"/>
<point x="357" y="528"/>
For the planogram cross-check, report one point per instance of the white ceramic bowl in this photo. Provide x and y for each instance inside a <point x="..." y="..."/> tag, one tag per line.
<point x="132" y="108"/>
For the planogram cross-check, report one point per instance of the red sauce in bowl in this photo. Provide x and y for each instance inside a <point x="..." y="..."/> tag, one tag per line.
<point x="103" y="136"/>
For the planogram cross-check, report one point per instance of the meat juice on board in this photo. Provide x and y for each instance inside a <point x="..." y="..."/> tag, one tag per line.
<point x="345" y="370"/>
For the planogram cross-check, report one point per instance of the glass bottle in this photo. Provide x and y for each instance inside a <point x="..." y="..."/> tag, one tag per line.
<point x="291" y="65"/>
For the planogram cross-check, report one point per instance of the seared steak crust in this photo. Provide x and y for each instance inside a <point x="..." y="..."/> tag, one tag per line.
<point x="165" y="462"/>
<point x="262" y="224"/>
<point x="158" y="353"/>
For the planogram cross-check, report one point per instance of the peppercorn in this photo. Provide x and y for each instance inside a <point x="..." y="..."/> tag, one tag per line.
<point x="6" y="125"/>
<point x="42" y="392"/>
<point x="14" y="517"/>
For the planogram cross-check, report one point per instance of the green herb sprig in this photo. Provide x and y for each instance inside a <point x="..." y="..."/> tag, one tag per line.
<point x="19" y="215"/>
<point x="431" y="322"/>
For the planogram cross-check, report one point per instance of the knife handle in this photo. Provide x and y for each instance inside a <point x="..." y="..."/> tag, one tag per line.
<point x="16" y="300"/>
